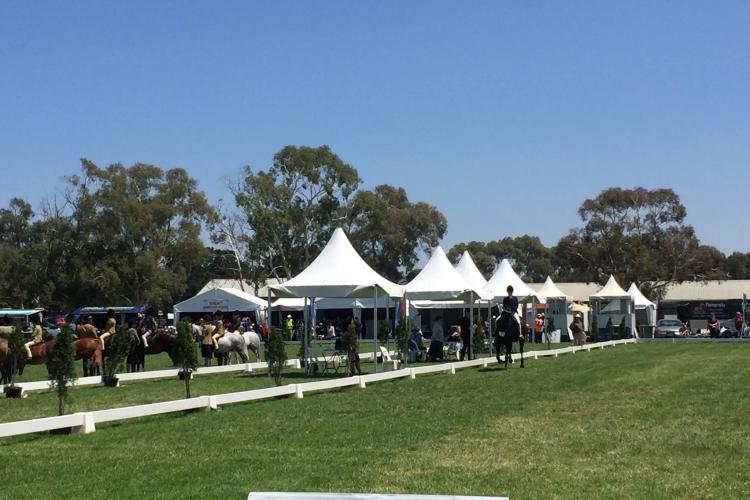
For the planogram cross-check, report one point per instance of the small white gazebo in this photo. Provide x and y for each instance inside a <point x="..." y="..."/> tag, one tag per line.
<point x="218" y="299"/>
<point x="612" y="303"/>
<point x="645" y="310"/>
<point x="339" y="272"/>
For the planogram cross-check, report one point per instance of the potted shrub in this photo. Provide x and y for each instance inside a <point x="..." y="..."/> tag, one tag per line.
<point x="402" y="341"/>
<point x="16" y="353"/>
<point x="119" y="346"/>
<point x="185" y="354"/>
<point x="60" y="363"/>
<point x="478" y="339"/>
<point x="275" y="354"/>
<point x="351" y="344"/>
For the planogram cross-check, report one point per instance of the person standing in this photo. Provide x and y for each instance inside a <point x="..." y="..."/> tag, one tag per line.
<point x="466" y="336"/>
<point x="435" y="351"/>
<point x="576" y="329"/>
<point x="538" y="328"/>
<point x="289" y="326"/>
<point x="218" y="331"/>
<point x="207" y="342"/>
<point x="714" y="327"/>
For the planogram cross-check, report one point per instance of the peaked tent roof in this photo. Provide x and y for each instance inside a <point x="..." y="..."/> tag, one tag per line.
<point x="338" y="271"/>
<point x="611" y="290"/>
<point x="503" y="276"/>
<point x="550" y="291"/>
<point x="469" y="271"/>
<point x="640" y="301"/>
<point x="439" y="280"/>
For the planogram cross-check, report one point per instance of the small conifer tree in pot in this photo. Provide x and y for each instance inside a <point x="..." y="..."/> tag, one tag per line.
<point x="276" y="356"/>
<point x="16" y="353"/>
<point x="185" y="354"/>
<point x="61" y="365"/>
<point x="118" y="348"/>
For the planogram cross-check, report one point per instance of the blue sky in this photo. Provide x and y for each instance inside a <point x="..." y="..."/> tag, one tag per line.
<point x="505" y="115"/>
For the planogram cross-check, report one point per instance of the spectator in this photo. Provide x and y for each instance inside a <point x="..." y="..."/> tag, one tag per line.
<point x="739" y="322"/>
<point x="714" y="327"/>
<point x="538" y="327"/>
<point x="576" y="328"/>
<point x="416" y="344"/>
<point x="435" y="351"/>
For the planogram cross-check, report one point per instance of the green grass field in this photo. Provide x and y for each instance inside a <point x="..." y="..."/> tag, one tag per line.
<point x="649" y="421"/>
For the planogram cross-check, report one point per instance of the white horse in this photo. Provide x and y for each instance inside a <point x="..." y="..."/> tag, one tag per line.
<point x="252" y="342"/>
<point x="231" y="342"/>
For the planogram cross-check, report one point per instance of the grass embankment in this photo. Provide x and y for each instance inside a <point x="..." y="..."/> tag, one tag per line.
<point x="632" y="421"/>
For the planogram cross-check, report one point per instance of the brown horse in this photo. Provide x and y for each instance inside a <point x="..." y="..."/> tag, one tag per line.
<point x="161" y="341"/>
<point x="87" y="349"/>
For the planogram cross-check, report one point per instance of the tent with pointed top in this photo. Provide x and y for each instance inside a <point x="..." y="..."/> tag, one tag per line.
<point x="558" y="310"/>
<point x="337" y="272"/>
<point x="645" y="310"/>
<point x="503" y="277"/>
<point x="613" y="307"/>
<point x="439" y="280"/>
<point x="469" y="271"/>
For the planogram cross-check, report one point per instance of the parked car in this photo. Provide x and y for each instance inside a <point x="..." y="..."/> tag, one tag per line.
<point x="668" y="328"/>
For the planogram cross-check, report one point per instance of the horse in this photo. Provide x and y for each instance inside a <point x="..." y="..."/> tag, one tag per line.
<point x="231" y="342"/>
<point x="511" y="328"/>
<point x="252" y="342"/>
<point x="161" y="341"/>
<point x="86" y="349"/>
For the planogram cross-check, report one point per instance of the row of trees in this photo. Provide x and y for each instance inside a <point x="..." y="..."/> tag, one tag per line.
<point x="637" y="234"/>
<point x="144" y="235"/>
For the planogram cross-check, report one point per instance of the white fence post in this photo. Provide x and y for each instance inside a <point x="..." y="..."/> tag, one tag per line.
<point x="87" y="425"/>
<point x="412" y="373"/>
<point x="362" y="383"/>
<point x="298" y="392"/>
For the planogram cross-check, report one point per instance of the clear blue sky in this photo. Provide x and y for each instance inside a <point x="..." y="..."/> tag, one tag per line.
<point x="454" y="101"/>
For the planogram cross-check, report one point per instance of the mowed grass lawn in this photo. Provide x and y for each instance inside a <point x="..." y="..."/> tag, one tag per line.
<point x="648" y="421"/>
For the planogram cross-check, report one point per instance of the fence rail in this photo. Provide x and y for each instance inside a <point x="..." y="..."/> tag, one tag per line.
<point x="86" y="422"/>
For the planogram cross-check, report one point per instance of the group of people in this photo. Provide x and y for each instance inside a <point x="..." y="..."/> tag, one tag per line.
<point x="38" y="331"/>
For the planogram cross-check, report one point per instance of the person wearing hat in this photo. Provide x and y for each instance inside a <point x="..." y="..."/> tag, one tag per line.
<point x="289" y="325"/>
<point x="576" y="329"/>
<point x="435" y="351"/>
<point x="36" y="335"/>
<point x="87" y="329"/>
<point x="149" y="326"/>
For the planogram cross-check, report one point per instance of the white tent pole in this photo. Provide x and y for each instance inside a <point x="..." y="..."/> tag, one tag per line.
<point x="304" y="337"/>
<point x="375" y="328"/>
<point x="268" y="311"/>
<point x="470" y="347"/>
<point x="387" y="318"/>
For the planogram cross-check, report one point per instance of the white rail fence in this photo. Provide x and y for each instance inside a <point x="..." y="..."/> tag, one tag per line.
<point x="86" y="421"/>
<point x="168" y="373"/>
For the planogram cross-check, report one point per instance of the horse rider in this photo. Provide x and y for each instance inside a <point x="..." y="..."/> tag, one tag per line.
<point x="110" y="328"/>
<point x="87" y="329"/>
<point x="148" y="326"/>
<point x="218" y="328"/>
<point x="7" y="327"/>
<point x="508" y="314"/>
<point x="37" y="335"/>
